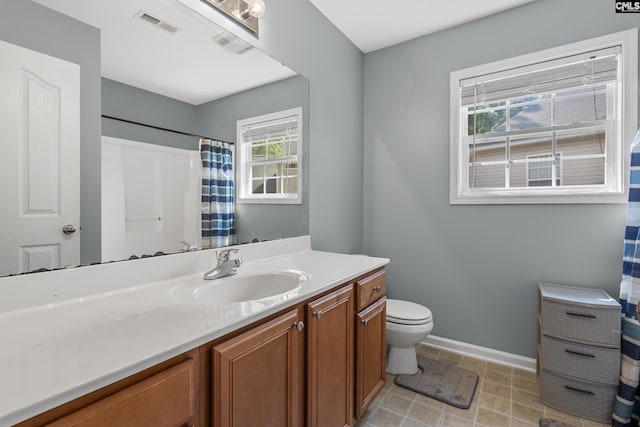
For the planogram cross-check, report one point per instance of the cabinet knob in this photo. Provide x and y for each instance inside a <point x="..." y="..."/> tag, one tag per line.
<point x="365" y="322"/>
<point x="298" y="326"/>
<point x="318" y="314"/>
<point x="377" y="288"/>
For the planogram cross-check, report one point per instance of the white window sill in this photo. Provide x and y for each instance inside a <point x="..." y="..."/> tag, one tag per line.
<point x="270" y="200"/>
<point x="514" y="197"/>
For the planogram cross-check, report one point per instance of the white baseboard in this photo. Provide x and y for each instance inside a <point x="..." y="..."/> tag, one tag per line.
<point x="483" y="353"/>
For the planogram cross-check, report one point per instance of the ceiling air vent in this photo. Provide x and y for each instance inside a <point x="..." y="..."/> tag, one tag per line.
<point x="229" y="42"/>
<point x="156" y="22"/>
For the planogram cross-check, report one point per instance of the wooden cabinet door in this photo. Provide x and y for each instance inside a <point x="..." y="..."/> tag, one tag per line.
<point x="258" y="376"/>
<point x="371" y="351"/>
<point x="330" y="360"/>
<point x="165" y="399"/>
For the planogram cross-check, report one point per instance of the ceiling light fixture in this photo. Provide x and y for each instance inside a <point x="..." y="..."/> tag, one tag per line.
<point x="245" y="12"/>
<point x="256" y="8"/>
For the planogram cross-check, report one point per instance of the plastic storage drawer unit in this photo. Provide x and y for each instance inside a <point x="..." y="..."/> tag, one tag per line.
<point x="578" y="350"/>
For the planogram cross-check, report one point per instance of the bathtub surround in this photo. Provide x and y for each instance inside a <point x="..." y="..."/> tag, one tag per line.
<point x="150" y="198"/>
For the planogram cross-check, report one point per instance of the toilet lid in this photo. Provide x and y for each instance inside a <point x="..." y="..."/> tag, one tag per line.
<point x="406" y="312"/>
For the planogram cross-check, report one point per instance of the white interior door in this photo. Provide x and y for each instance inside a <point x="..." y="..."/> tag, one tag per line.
<point x="40" y="161"/>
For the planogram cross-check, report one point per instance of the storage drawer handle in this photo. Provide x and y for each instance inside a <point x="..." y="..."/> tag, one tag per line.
<point x="589" y="316"/>
<point x="579" y="353"/>
<point x="568" y="387"/>
<point x="377" y="288"/>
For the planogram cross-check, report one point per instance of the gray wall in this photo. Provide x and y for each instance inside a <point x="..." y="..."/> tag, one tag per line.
<point x="218" y="118"/>
<point x="476" y="267"/>
<point x="312" y="46"/>
<point x="35" y="27"/>
<point x="138" y="105"/>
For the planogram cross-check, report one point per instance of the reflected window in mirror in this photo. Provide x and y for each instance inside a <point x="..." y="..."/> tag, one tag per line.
<point x="269" y="161"/>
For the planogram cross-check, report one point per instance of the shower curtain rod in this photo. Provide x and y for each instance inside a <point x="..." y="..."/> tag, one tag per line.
<point x="161" y="128"/>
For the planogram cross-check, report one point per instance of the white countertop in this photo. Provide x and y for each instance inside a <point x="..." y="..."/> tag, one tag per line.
<point x="66" y="333"/>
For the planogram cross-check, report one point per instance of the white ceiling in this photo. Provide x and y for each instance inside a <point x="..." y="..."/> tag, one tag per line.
<point x="375" y="24"/>
<point x="187" y="65"/>
<point x="190" y="67"/>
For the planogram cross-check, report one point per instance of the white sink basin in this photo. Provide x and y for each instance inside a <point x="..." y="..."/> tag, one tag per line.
<point x="243" y="287"/>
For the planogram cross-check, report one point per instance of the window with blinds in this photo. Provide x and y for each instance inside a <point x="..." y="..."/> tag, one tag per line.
<point x="545" y="127"/>
<point x="269" y="159"/>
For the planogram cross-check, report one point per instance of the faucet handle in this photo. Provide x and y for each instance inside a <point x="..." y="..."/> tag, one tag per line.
<point x="224" y="254"/>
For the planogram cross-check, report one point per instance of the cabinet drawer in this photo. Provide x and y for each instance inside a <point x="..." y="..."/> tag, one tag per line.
<point x="583" y="399"/>
<point x="370" y="289"/>
<point x="165" y="399"/>
<point x="590" y="363"/>
<point x="592" y="325"/>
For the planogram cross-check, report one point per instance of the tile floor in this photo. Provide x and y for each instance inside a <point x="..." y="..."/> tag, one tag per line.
<point x="505" y="397"/>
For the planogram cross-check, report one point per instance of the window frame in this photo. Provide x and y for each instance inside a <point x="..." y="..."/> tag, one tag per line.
<point x="244" y="193"/>
<point x="624" y="130"/>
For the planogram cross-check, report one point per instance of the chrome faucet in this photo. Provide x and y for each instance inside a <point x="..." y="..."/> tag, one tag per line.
<point x="225" y="266"/>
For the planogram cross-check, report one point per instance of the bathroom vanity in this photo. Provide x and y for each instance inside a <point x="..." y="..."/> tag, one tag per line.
<point x="144" y="344"/>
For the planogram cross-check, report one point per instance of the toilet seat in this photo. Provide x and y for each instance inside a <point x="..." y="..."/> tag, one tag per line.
<point x="407" y="313"/>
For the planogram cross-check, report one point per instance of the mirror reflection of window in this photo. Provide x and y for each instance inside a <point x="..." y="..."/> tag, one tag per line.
<point x="269" y="161"/>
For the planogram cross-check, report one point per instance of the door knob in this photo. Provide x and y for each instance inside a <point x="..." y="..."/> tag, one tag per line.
<point x="68" y="229"/>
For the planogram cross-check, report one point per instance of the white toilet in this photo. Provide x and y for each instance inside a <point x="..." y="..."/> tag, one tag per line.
<point x="408" y="324"/>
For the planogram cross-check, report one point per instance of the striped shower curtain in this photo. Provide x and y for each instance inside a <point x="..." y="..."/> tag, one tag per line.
<point x="218" y="204"/>
<point x="626" y="410"/>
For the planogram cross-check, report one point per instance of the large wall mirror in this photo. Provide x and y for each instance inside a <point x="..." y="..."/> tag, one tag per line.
<point x="145" y="68"/>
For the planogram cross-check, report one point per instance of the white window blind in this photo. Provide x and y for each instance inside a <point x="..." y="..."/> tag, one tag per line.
<point x="593" y="67"/>
<point x="566" y="104"/>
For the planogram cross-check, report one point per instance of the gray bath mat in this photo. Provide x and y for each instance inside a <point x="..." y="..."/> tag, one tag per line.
<point x="441" y="381"/>
<point x="547" y="422"/>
